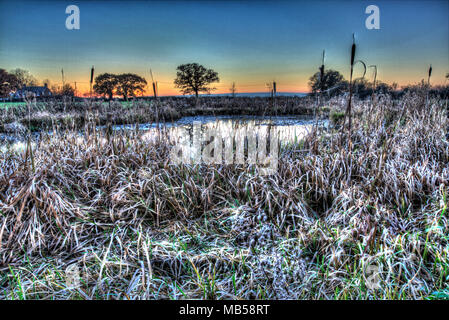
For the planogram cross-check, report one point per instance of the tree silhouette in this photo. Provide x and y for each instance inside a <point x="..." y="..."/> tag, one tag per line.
<point x="67" y="90"/>
<point x="106" y="84"/>
<point x="194" y="78"/>
<point x="8" y="83"/>
<point x="128" y="84"/>
<point x="25" y="78"/>
<point x="333" y="82"/>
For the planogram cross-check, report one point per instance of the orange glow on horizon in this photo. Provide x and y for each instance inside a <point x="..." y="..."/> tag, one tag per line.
<point x="85" y="91"/>
<point x="167" y="88"/>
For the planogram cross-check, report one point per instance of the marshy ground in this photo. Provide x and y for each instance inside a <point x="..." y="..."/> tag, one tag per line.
<point x="111" y="206"/>
<point x="68" y="113"/>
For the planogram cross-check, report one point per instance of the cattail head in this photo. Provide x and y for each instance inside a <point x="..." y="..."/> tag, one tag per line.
<point x="92" y="75"/>
<point x="430" y="71"/>
<point x="353" y="50"/>
<point x="322" y="62"/>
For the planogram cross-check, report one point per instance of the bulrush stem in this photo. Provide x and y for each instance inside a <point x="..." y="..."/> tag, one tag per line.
<point x="349" y="107"/>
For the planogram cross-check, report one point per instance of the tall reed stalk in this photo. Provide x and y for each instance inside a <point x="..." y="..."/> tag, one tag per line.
<point x="320" y="96"/>
<point x="348" y="108"/>
<point x="154" y="85"/>
<point x="429" y="74"/>
<point x="348" y="113"/>
<point x="321" y="78"/>
<point x="373" y="94"/>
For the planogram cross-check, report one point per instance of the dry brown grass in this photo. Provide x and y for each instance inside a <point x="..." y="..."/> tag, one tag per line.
<point x="140" y="227"/>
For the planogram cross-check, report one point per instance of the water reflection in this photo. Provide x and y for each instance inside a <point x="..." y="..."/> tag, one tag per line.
<point x="289" y="129"/>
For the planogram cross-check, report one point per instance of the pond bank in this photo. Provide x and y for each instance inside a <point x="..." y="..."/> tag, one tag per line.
<point x="45" y="115"/>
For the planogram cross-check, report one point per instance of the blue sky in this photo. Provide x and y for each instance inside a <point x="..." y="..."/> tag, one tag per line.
<point x="249" y="42"/>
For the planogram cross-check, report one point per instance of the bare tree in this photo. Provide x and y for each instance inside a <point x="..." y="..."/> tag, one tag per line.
<point x="8" y="83"/>
<point x="25" y="78"/>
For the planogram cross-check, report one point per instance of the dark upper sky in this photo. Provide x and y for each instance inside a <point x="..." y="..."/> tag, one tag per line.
<point x="249" y="42"/>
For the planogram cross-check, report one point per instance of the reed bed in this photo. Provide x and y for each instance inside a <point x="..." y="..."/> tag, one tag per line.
<point x="138" y="227"/>
<point x="56" y="114"/>
<point x="65" y="114"/>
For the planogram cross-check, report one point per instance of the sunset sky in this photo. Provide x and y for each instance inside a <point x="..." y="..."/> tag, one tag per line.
<point x="249" y="42"/>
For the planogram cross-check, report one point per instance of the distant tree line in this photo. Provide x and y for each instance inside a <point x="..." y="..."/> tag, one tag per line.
<point x="334" y="84"/>
<point x="193" y="78"/>
<point x="15" y="80"/>
<point x="18" y="79"/>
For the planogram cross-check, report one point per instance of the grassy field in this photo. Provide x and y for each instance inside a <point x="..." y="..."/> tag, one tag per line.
<point x="134" y="226"/>
<point x="6" y="105"/>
